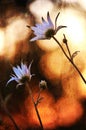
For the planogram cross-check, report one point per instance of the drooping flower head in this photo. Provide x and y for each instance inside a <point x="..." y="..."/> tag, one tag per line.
<point x="46" y="29"/>
<point x="21" y="74"/>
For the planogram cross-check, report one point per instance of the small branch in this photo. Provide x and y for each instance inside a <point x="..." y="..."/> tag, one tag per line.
<point x="38" y="98"/>
<point x="35" y="106"/>
<point x="69" y="59"/>
<point x="39" y="95"/>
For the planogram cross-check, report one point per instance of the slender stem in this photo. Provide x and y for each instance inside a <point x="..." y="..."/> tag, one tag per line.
<point x="35" y="106"/>
<point x="67" y="46"/>
<point x="7" y="112"/>
<point x="37" y="101"/>
<point x="69" y="59"/>
<point x="68" y="50"/>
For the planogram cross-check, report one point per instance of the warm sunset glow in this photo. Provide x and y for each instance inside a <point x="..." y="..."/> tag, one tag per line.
<point x="42" y="6"/>
<point x="48" y="116"/>
<point x="70" y="1"/>
<point x="75" y="28"/>
<point x="82" y="3"/>
<point x="12" y="35"/>
<point x="67" y="111"/>
<point x="51" y="64"/>
<point x="64" y="100"/>
<point x="2" y="35"/>
<point x="82" y="86"/>
<point x="55" y="114"/>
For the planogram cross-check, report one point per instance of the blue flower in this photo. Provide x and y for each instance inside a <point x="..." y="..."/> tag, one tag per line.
<point x="21" y="74"/>
<point x="46" y="30"/>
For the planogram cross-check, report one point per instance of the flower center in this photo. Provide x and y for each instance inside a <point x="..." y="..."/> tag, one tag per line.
<point x="49" y="33"/>
<point x="25" y="79"/>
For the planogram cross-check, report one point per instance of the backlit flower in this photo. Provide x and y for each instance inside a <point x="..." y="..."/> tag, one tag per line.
<point x="21" y="74"/>
<point x="46" y="29"/>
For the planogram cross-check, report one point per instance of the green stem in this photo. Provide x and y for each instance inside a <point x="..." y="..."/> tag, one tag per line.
<point x="69" y="59"/>
<point x="35" y="106"/>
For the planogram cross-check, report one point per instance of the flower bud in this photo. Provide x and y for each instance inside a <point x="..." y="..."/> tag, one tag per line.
<point x="43" y="84"/>
<point x="64" y="39"/>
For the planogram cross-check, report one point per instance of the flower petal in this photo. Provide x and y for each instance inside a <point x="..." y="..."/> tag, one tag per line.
<point x="24" y="68"/>
<point x="17" y="72"/>
<point x="39" y="29"/>
<point x="11" y="79"/>
<point x="29" y="68"/>
<point x="59" y="27"/>
<point x="39" y="26"/>
<point x="56" y="20"/>
<point x="38" y="38"/>
<point x="49" y="20"/>
<point x="44" y="22"/>
<point x="34" y="39"/>
<point x="18" y="67"/>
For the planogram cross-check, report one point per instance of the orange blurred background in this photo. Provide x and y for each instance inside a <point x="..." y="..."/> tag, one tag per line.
<point x="64" y="103"/>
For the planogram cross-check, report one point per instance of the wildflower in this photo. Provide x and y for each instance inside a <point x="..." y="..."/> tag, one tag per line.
<point x="22" y="74"/>
<point x="43" y="84"/>
<point x="46" y="30"/>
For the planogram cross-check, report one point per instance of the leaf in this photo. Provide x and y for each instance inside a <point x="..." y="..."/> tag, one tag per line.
<point x="74" y="54"/>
